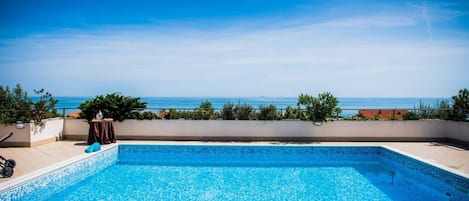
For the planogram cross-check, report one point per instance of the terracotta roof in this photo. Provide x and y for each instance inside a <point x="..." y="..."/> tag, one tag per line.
<point x="161" y="115"/>
<point x="74" y="115"/>
<point x="382" y="113"/>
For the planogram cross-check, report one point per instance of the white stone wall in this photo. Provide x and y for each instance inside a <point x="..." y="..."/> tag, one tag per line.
<point x="238" y="129"/>
<point x="336" y="130"/>
<point x="457" y="130"/>
<point x="49" y="130"/>
<point x="75" y="127"/>
<point x="19" y="135"/>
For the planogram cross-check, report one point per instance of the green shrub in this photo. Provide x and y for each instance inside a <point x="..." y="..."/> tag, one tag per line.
<point x="149" y="115"/>
<point x="442" y="110"/>
<point x="393" y="117"/>
<point x="318" y="108"/>
<point x="291" y="113"/>
<point x="359" y="116"/>
<point x="205" y="111"/>
<point x="410" y="116"/>
<point x="376" y="117"/>
<point x="14" y="105"/>
<point x="460" y="110"/>
<point x="172" y="114"/>
<point x="337" y="111"/>
<point x="228" y="111"/>
<point x="45" y="107"/>
<point x="426" y="111"/>
<point x="17" y="106"/>
<point x="113" y="106"/>
<point x="244" y="111"/>
<point x="187" y="114"/>
<point x="268" y="112"/>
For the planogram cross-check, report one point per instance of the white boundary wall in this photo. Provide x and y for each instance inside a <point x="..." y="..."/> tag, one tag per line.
<point x="32" y="134"/>
<point x="457" y="130"/>
<point x="420" y="130"/>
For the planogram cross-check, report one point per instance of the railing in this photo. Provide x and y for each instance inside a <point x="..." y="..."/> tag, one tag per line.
<point x="430" y="113"/>
<point x="346" y="112"/>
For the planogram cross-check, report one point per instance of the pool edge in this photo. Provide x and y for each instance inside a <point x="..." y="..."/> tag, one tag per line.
<point x="21" y="180"/>
<point x="428" y="162"/>
<point x="18" y="181"/>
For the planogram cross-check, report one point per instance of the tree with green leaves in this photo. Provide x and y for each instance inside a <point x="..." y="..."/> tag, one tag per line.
<point x="228" y="111"/>
<point x="461" y="105"/>
<point x="45" y="107"/>
<point x="268" y="112"/>
<point x="205" y="111"/>
<point x="15" y="105"/>
<point x="291" y="113"/>
<point x="243" y="111"/>
<point x="318" y="108"/>
<point x="147" y="115"/>
<point x="114" y="105"/>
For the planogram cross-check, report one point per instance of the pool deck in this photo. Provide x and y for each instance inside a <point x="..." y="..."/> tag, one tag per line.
<point x="29" y="160"/>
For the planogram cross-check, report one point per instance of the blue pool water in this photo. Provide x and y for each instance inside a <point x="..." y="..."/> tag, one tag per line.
<point x="163" y="172"/>
<point x="147" y="182"/>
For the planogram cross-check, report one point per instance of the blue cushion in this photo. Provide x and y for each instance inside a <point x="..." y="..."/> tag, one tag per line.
<point x="94" y="147"/>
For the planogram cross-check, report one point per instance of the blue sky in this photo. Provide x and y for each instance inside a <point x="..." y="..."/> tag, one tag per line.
<point x="236" y="48"/>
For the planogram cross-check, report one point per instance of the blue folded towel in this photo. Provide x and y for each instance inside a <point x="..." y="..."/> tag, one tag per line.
<point x="94" y="147"/>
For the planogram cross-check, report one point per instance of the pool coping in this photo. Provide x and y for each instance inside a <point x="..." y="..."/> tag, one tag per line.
<point x="5" y="186"/>
<point x="429" y="162"/>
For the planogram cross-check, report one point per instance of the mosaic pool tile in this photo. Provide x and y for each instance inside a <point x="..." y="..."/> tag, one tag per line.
<point x="270" y="155"/>
<point x="455" y="186"/>
<point x="62" y="177"/>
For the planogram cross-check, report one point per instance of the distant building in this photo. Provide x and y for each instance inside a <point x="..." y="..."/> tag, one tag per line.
<point x="386" y="114"/>
<point x="75" y="115"/>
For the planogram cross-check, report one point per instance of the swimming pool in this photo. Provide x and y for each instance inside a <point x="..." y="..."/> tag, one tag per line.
<point x="232" y="172"/>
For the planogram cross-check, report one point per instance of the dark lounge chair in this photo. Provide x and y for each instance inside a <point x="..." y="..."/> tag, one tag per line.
<point x="6" y="165"/>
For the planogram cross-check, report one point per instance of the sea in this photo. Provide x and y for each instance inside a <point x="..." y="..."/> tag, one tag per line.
<point x="349" y="106"/>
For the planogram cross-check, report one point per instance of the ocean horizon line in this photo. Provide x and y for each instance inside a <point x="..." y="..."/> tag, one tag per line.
<point x="232" y="97"/>
<point x="350" y="106"/>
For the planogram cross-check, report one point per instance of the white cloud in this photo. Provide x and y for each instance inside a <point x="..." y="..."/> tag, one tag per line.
<point x="347" y="56"/>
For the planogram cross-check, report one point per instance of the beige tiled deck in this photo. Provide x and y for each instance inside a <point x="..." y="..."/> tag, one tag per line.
<point x="32" y="159"/>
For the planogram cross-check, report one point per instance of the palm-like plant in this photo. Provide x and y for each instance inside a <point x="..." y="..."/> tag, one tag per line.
<point x="114" y="106"/>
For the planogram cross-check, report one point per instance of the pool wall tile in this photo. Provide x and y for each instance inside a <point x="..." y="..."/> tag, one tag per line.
<point x="244" y="155"/>
<point x="60" y="178"/>
<point x="454" y="186"/>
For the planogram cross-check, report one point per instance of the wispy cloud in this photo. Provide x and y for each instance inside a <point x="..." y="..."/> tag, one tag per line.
<point x="432" y="12"/>
<point x="373" y="21"/>
<point x="423" y="10"/>
<point x="342" y="55"/>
